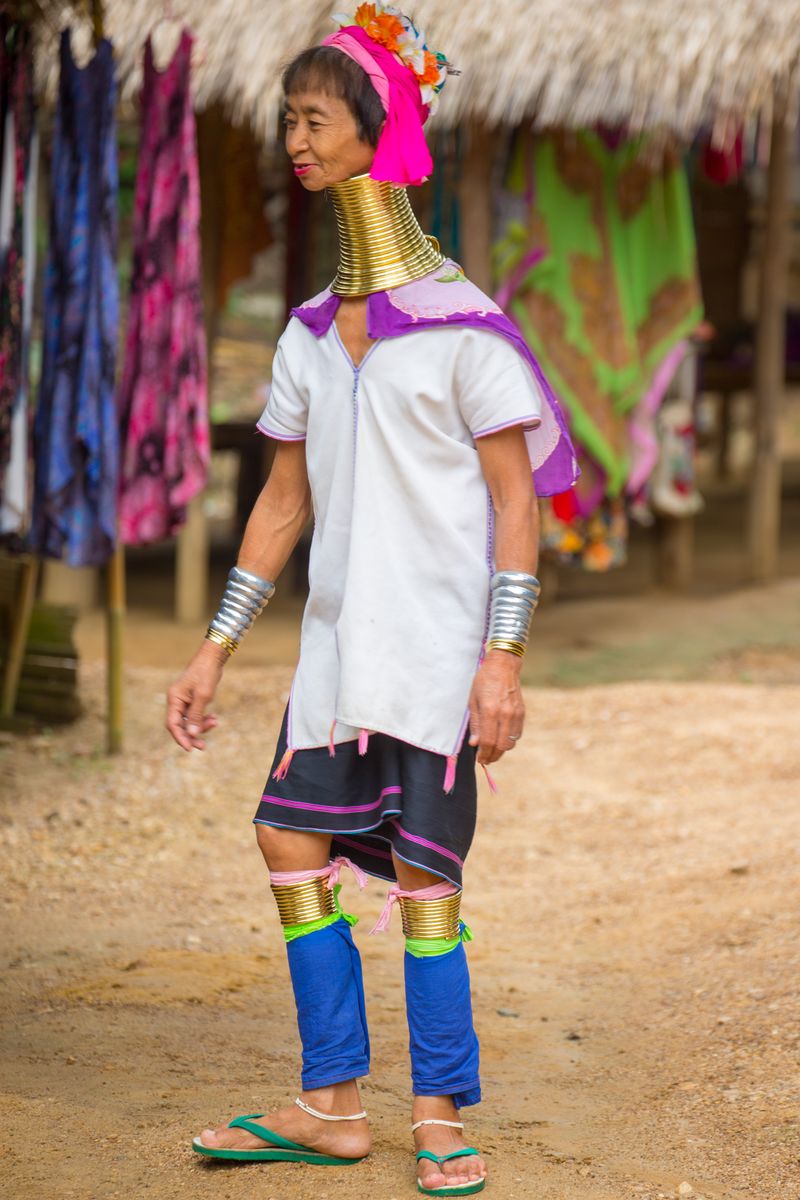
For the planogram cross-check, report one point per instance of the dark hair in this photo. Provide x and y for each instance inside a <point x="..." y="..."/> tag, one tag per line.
<point x="332" y="72"/>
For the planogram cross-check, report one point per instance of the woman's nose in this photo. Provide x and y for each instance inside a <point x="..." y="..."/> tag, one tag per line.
<point x="296" y="142"/>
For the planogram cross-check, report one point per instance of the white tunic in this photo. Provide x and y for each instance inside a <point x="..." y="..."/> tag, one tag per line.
<point x="402" y="552"/>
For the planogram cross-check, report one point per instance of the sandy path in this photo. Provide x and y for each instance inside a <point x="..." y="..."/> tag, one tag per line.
<point x="633" y="893"/>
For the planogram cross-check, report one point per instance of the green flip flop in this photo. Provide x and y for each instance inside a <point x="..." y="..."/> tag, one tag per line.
<point x="454" y="1189"/>
<point x="283" y="1150"/>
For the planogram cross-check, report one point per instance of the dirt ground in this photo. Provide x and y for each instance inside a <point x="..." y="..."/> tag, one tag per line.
<point x="633" y="893"/>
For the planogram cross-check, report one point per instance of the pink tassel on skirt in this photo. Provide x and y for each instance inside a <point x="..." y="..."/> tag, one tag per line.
<point x="450" y="773"/>
<point x="282" y="770"/>
<point x="363" y="741"/>
<point x="489" y="780"/>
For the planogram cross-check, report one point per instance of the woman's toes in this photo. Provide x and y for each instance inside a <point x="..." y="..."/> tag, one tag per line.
<point x="434" y="1179"/>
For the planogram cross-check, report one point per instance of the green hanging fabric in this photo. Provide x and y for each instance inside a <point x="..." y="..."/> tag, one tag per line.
<point x="597" y="266"/>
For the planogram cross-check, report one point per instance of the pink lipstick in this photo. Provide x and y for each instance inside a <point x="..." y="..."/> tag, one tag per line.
<point x="302" y="168"/>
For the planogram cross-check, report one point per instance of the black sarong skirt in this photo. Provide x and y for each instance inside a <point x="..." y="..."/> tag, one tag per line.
<point x="390" y="798"/>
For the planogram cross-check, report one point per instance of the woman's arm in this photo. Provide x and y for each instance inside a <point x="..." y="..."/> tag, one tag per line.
<point x="497" y="710"/>
<point x="276" y="522"/>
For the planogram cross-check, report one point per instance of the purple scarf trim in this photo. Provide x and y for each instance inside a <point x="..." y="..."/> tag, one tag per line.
<point x="445" y="298"/>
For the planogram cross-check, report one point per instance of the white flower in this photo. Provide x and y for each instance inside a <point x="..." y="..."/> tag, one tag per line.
<point x="429" y="96"/>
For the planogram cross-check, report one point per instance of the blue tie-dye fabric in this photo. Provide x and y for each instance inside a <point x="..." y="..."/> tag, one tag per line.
<point x="76" y="443"/>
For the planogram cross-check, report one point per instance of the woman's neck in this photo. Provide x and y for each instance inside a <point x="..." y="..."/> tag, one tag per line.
<point x="381" y="245"/>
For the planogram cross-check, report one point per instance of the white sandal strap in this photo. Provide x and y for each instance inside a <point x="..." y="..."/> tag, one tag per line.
<point x="449" y="1124"/>
<point x="312" y="1112"/>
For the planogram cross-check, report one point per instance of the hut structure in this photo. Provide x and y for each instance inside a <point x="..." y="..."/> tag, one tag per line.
<point x="670" y="68"/>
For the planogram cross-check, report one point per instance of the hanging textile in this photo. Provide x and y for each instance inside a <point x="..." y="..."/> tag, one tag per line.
<point x="163" y="400"/>
<point x="18" y="157"/>
<point x="76" y="447"/>
<point x="597" y="266"/>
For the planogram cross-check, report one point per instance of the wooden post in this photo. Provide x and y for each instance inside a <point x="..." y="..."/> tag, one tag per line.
<point x="763" y="524"/>
<point x="191" y="566"/>
<point x="675" y="534"/>
<point x="675" y="552"/>
<point x="475" y="199"/>
<point x="115" y="621"/>
<point x="28" y="573"/>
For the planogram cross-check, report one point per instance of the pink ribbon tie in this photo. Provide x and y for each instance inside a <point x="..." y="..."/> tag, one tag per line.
<point x="330" y="874"/>
<point x="437" y="891"/>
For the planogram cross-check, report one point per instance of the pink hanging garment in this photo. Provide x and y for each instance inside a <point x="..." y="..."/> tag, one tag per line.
<point x="163" y="401"/>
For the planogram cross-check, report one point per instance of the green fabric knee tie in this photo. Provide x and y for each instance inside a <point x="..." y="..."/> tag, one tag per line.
<point x="290" y="932"/>
<point x="429" y="947"/>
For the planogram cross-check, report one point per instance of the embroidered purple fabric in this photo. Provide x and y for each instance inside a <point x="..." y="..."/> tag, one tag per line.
<point x="445" y="297"/>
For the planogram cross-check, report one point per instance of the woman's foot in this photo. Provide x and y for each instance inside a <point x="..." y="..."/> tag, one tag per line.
<point x="440" y="1139"/>
<point x="344" y="1139"/>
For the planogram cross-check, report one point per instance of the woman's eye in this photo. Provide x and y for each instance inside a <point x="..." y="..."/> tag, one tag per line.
<point x="313" y="124"/>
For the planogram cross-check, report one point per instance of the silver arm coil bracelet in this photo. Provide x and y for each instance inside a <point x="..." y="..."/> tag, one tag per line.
<point x="245" y="596"/>
<point x="514" y="596"/>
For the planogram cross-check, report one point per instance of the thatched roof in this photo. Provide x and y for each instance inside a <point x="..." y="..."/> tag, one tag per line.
<point x="677" y="65"/>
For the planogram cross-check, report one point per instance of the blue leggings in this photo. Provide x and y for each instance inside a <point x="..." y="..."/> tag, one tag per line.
<point x="325" y="967"/>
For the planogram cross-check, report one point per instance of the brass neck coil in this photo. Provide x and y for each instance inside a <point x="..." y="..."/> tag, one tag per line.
<point x="431" y="918"/>
<point x="299" y="903"/>
<point x="381" y="245"/>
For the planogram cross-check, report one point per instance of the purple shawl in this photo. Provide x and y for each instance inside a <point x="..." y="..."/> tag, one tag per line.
<point x="445" y="297"/>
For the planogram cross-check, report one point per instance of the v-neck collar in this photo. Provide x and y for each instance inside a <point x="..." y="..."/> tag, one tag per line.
<point x="356" y="368"/>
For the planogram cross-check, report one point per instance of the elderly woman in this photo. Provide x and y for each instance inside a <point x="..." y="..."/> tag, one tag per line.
<point x="409" y="417"/>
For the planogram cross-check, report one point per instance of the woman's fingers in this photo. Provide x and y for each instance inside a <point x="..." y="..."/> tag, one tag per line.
<point x="474" y="720"/>
<point x="502" y="729"/>
<point x="177" y="704"/>
<point x="496" y="714"/>
<point x="487" y="752"/>
<point x="186" y="720"/>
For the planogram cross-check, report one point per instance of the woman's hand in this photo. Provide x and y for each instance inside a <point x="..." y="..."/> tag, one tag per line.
<point x="188" y="697"/>
<point x="496" y="707"/>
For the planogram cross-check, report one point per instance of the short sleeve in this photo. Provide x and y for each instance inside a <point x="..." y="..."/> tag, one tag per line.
<point x="286" y="413"/>
<point x="496" y="388"/>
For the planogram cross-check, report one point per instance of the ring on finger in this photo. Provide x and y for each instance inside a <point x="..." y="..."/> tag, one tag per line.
<point x="514" y="737"/>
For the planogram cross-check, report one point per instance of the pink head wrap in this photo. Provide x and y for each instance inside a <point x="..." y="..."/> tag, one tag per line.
<point x="402" y="155"/>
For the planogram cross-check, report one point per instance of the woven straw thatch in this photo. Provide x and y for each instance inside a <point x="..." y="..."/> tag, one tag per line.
<point x="668" y="65"/>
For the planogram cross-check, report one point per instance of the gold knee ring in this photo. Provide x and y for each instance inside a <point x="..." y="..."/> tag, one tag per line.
<point x="431" y="918"/>
<point x="299" y="903"/>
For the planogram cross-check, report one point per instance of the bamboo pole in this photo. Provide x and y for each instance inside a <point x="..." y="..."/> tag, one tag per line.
<point x="26" y="591"/>
<point x="115" y="618"/>
<point x="763" y="518"/>
<point x="475" y="201"/>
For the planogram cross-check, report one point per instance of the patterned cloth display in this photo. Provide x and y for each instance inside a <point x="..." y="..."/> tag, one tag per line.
<point x="597" y="267"/>
<point x="163" y="398"/>
<point x="17" y="245"/>
<point x="76" y="447"/>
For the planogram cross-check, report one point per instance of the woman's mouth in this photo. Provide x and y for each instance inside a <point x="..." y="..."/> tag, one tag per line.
<point x="302" y="168"/>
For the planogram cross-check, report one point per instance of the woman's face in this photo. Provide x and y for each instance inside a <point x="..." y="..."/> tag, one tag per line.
<point x="322" y="140"/>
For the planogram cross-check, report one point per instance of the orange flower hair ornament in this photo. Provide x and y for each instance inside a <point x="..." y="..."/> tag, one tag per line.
<point x="391" y="28"/>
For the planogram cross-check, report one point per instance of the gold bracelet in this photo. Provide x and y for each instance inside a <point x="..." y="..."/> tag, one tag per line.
<point x="517" y="648"/>
<point x="219" y="639"/>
